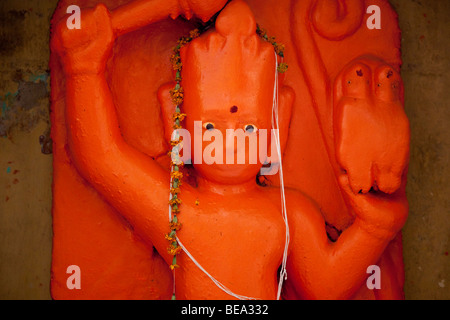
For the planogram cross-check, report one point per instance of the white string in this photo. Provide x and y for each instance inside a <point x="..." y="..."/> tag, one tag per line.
<point x="283" y="272"/>
<point x="170" y="217"/>
<point x="216" y="282"/>
<point x="275" y="125"/>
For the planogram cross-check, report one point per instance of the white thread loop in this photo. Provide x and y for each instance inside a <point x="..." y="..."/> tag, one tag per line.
<point x="283" y="272"/>
<point x="214" y="280"/>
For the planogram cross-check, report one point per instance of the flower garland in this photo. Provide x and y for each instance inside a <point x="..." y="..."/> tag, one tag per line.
<point x="177" y="95"/>
<point x="279" y="47"/>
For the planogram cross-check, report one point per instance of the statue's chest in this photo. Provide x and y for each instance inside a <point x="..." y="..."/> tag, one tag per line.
<point x="251" y="231"/>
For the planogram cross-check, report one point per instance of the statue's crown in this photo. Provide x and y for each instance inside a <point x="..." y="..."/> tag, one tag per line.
<point x="232" y="55"/>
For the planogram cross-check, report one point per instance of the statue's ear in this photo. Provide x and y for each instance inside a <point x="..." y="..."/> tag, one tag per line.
<point x="285" y="103"/>
<point x="167" y="108"/>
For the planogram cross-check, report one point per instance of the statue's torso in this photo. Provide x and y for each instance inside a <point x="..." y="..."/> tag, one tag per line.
<point x="248" y="232"/>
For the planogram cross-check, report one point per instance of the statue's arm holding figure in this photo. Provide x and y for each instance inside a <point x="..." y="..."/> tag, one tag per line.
<point x="367" y="138"/>
<point x="321" y="269"/>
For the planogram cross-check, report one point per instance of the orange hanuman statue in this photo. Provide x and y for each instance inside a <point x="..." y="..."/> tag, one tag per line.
<point x="344" y="141"/>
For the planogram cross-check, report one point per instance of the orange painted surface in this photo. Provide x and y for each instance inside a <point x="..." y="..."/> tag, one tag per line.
<point x="343" y="131"/>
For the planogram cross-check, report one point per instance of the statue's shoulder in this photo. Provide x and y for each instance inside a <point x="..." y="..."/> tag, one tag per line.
<point x="299" y="206"/>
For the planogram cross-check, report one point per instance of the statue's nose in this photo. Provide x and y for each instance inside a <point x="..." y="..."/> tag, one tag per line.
<point x="235" y="139"/>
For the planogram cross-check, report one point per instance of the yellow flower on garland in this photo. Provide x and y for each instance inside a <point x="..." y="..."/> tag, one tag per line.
<point x="178" y="163"/>
<point x="175" y="226"/>
<point x="174" y="143"/>
<point x="194" y="33"/>
<point x="174" y="201"/>
<point x="177" y="184"/>
<point x="175" y="209"/>
<point x="177" y="175"/>
<point x="170" y="238"/>
<point x="174" y="191"/>
<point x="179" y="116"/>
<point x="282" y="68"/>
<point x="182" y="41"/>
<point x="279" y="49"/>
<point x="174" y="250"/>
<point x="174" y="266"/>
<point x="177" y="65"/>
<point x="177" y="95"/>
<point x="175" y="59"/>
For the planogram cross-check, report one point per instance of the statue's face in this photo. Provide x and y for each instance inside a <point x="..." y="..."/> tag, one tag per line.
<point x="228" y="101"/>
<point x="229" y="136"/>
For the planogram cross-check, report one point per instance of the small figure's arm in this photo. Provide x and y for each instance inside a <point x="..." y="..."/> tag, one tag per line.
<point x="321" y="269"/>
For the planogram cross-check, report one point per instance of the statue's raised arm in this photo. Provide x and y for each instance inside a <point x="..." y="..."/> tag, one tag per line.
<point x="116" y="170"/>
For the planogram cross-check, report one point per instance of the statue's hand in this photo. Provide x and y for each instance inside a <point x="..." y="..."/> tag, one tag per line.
<point x="371" y="127"/>
<point x="85" y="50"/>
<point x="203" y="9"/>
<point x="379" y="213"/>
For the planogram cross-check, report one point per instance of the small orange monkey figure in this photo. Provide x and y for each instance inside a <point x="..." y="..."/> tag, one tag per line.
<point x="232" y="226"/>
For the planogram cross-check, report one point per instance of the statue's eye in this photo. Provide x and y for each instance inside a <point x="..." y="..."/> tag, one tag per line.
<point x="250" y="128"/>
<point x="208" y="125"/>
